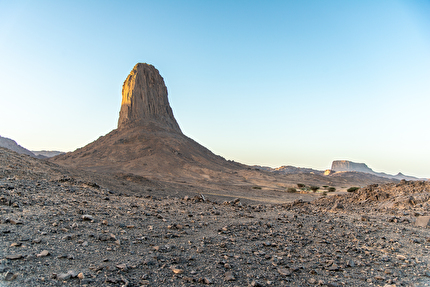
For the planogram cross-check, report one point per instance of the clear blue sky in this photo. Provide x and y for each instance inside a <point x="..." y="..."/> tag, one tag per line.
<point x="271" y="83"/>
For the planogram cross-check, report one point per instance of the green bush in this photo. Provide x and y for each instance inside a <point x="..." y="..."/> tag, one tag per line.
<point x="331" y="189"/>
<point x="300" y="185"/>
<point x="256" y="187"/>
<point x="352" y="189"/>
<point x="314" y="188"/>
<point x="325" y="186"/>
<point x="291" y="190"/>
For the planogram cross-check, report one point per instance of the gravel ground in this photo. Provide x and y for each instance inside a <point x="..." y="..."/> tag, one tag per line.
<point x="69" y="233"/>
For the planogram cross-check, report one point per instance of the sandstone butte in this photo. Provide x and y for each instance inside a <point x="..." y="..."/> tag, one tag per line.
<point x="149" y="143"/>
<point x="144" y="100"/>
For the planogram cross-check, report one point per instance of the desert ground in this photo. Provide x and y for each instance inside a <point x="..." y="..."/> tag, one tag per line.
<point x="67" y="227"/>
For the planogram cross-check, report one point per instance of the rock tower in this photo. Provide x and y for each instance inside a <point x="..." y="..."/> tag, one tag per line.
<point x="144" y="100"/>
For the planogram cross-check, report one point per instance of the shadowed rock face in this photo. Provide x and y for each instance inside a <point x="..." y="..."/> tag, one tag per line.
<point x="144" y="100"/>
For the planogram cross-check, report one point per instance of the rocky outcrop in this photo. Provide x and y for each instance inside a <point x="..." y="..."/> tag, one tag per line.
<point x="144" y="100"/>
<point x="12" y="145"/>
<point x="346" y="165"/>
<point x="148" y="141"/>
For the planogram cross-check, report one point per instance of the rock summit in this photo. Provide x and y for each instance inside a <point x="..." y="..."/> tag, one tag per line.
<point x="144" y="100"/>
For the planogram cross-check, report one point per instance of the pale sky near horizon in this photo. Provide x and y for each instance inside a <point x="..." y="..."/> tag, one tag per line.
<point x="270" y="83"/>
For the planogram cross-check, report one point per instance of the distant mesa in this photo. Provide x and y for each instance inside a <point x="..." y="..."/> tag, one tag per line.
<point x="349" y="166"/>
<point x="346" y="165"/>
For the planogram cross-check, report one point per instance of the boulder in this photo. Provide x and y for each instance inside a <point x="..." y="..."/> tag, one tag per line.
<point x="423" y="221"/>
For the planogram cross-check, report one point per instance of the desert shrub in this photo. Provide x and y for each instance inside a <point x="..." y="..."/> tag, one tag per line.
<point x="324" y="193"/>
<point x="300" y="185"/>
<point x="352" y="189"/>
<point x="314" y="188"/>
<point x="325" y="186"/>
<point x="256" y="187"/>
<point x="291" y="190"/>
<point x="331" y="189"/>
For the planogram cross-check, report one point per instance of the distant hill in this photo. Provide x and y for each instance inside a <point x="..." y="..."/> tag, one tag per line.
<point x="289" y="169"/>
<point x="346" y="165"/>
<point x="46" y="153"/>
<point x="340" y="169"/>
<point x="12" y="145"/>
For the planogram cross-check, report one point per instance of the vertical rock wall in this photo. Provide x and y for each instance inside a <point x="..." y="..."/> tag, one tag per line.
<point x="144" y="100"/>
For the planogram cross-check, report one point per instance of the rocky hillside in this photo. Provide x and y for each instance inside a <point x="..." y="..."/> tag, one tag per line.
<point x="12" y="145"/>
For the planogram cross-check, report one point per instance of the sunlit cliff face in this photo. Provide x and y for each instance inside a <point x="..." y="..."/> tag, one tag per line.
<point x="144" y="99"/>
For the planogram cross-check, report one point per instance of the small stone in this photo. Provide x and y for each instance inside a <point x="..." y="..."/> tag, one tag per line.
<point x="388" y="271"/>
<point x="284" y="271"/>
<point x="63" y="276"/>
<point x="312" y="281"/>
<point x="72" y="273"/>
<point x="228" y="276"/>
<point x="85" y="243"/>
<point x="350" y="263"/>
<point x="401" y="257"/>
<point x="44" y="253"/>
<point x="81" y="276"/>
<point x="87" y="217"/>
<point x="422" y="221"/>
<point x="10" y="276"/>
<point x="334" y="267"/>
<point x="337" y="205"/>
<point x="68" y="275"/>
<point x="14" y="256"/>
<point x="67" y="237"/>
<point x="107" y="237"/>
<point x="177" y="271"/>
<point x="13" y="221"/>
<point x="122" y="266"/>
<point x="16" y="244"/>
<point x="256" y="284"/>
